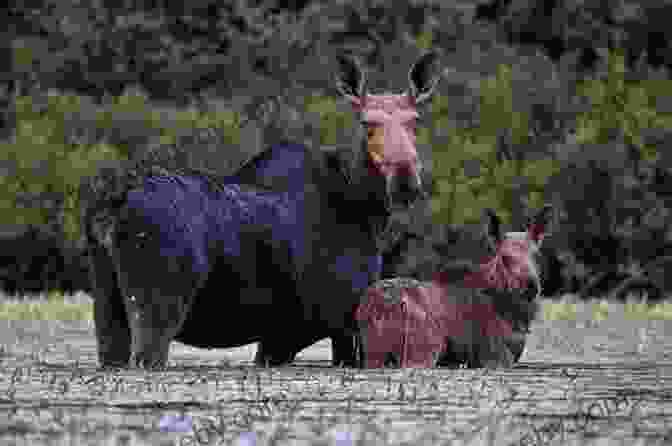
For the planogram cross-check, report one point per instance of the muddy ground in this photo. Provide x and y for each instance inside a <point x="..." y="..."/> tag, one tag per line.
<point x="577" y="381"/>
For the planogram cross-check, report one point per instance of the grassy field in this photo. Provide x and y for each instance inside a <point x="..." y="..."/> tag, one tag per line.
<point x="79" y="307"/>
<point x="592" y="373"/>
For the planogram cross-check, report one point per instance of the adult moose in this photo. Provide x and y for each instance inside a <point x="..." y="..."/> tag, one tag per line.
<point x="278" y="253"/>
<point x="476" y="315"/>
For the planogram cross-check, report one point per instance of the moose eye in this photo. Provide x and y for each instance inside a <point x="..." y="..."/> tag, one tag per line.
<point x="370" y="127"/>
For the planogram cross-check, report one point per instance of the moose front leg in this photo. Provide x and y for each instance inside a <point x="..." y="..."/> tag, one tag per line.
<point x="157" y="291"/>
<point x="113" y="335"/>
<point x="344" y="350"/>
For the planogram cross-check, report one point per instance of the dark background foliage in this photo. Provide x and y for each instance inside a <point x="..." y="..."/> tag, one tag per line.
<point x="261" y="59"/>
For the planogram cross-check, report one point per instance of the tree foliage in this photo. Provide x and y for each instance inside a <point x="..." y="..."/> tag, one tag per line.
<point x="470" y="167"/>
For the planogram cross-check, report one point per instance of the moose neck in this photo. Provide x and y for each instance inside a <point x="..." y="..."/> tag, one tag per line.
<point x="357" y="194"/>
<point x="369" y="190"/>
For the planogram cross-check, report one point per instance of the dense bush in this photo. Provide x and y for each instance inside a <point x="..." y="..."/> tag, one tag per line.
<point x="33" y="260"/>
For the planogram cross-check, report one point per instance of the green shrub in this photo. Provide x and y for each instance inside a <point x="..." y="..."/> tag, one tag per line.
<point x="62" y="138"/>
<point x="333" y="120"/>
<point x="621" y="106"/>
<point x="461" y="197"/>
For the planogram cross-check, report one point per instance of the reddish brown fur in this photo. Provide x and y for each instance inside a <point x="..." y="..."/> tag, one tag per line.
<point x="401" y="325"/>
<point x="418" y="322"/>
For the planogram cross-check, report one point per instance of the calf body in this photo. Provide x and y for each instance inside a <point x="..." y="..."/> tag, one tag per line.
<point x="399" y="324"/>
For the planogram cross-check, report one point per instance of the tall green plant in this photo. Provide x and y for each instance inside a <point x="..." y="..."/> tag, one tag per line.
<point x="489" y="181"/>
<point x="42" y="162"/>
<point x="45" y="156"/>
<point x="332" y="119"/>
<point x="623" y="107"/>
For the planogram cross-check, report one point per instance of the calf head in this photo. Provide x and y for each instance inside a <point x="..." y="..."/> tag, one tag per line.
<point x="499" y="307"/>
<point x="513" y="264"/>
<point x="389" y="121"/>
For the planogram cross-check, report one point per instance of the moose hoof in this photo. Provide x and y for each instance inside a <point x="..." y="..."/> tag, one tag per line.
<point x="143" y="362"/>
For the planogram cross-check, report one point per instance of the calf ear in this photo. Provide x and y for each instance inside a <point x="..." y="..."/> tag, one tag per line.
<point x="423" y="77"/>
<point x="350" y="79"/>
<point x="492" y="228"/>
<point x="540" y="224"/>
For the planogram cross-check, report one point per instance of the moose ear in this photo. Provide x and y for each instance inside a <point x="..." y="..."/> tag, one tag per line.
<point x="350" y="80"/>
<point x="492" y="228"/>
<point x="423" y="77"/>
<point x="539" y="224"/>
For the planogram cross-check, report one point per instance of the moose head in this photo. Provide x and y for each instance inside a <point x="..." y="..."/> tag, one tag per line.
<point x="513" y="261"/>
<point x="390" y="122"/>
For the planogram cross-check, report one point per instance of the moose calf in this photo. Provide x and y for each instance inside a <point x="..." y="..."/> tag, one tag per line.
<point x="476" y="315"/>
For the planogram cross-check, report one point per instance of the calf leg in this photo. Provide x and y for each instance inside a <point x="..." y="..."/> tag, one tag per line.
<point x="516" y="344"/>
<point x="113" y="335"/>
<point x="491" y="352"/>
<point x="478" y="351"/>
<point x="451" y="356"/>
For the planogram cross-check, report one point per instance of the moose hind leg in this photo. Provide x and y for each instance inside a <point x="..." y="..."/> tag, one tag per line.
<point x="113" y="334"/>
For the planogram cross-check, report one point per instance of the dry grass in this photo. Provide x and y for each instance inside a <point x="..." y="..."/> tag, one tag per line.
<point x="51" y="392"/>
<point x="45" y="307"/>
<point x="55" y="306"/>
<point x="597" y="310"/>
